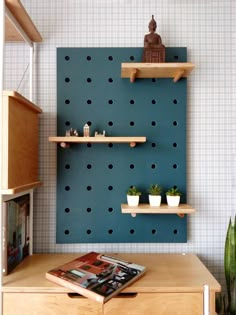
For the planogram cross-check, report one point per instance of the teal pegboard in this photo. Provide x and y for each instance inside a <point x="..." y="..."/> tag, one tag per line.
<point x="92" y="179"/>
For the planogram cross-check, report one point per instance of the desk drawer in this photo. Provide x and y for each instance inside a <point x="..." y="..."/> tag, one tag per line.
<point x="48" y="304"/>
<point x="155" y="304"/>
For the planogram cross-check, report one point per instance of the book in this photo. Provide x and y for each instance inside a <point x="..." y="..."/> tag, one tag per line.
<point x="16" y="231"/>
<point x="96" y="276"/>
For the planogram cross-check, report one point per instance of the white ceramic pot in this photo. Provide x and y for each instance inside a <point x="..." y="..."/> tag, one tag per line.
<point x="173" y="201"/>
<point x="133" y="201"/>
<point x="154" y="201"/>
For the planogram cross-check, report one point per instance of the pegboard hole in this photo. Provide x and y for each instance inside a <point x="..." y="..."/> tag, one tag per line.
<point x="89" y="188"/>
<point x="131" y="123"/>
<point x="153" y="101"/>
<point x="175" y="231"/>
<point x="88" y="231"/>
<point x="153" y="166"/>
<point x="154" y="231"/>
<point x="89" y="166"/>
<point x="110" y="231"/>
<point x="131" y="166"/>
<point x="131" y="231"/>
<point x="67" y="166"/>
<point x="67" y="123"/>
<point x="67" y="80"/>
<point x="89" y="102"/>
<point x="131" y="102"/>
<point x="110" y="102"/>
<point x="67" y="58"/>
<point x="153" y="144"/>
<point x="89" y="145"/>
<point x="110" y="166"/>
<point x="110" y="80"/>
<point x="89" y="123"/>
<point x="175" y="101"/>
<point x="153" y="80"/>
<point x="175" y="145"/>
<point x="67" y="232"/>
<point x="67" y="210"/>
<point x="67" y="102"/>
<point x="110" y="58"/>
<point x="110" y="187"/>
<point x="175" y="166"/>
<point x="110" y="123"/>
<point x="89" y="80"/>
<point x="175" y="123"/>
<point x="131" y="58"/>
<point x="67" y="188"/>
<point x="176" y="57"/>
<point x="154" y="123"/>
<point x="110" y="209"/>
<point x="110" y="145"/>
<point x="89" y="210"/>
<point x="89" y="58"/>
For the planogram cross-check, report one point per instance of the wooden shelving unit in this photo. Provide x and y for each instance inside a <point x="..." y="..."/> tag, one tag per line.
<point x="19" y="14"/>
<point x="181" y="210"/>
<point x="20" y="144"/>
<point x="65" y="141"/>
<point x="156" y="70"/>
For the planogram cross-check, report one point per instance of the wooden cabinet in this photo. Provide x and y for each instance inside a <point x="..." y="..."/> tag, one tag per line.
<point x="173" y="284"/>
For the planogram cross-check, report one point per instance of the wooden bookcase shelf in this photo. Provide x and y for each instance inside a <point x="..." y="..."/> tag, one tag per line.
<point x="20" y="144"/>
<point x="156" y="70"/>
<point x="20" y="15"/>
<point x="65" y="141"/>
<point x="181" y="210"/>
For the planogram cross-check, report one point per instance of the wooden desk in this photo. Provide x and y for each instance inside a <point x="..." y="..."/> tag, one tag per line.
<point x="172" y="285"/>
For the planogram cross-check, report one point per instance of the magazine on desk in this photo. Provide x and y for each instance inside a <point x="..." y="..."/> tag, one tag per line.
<point x="96" y="276"/>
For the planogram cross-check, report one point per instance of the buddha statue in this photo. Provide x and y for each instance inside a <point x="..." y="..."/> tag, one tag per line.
<point x="154" y="50"/>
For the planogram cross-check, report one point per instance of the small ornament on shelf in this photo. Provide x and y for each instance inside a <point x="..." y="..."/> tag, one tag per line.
<point x="154" y="50"/>
<point x="72" y="133"/>
<point x="97" y="134"/>
<point x="86" y="130"/>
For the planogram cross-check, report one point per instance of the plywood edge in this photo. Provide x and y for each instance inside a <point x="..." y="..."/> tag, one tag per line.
<point x="15" y="190"/>
<point x="23" y="100"/>
<point x="23" y="18"/>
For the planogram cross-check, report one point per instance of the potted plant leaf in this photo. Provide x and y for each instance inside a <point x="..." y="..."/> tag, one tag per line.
<point x="173" y="197"/>
<point x="155" y="195"/>
<point x="133" y="195"/>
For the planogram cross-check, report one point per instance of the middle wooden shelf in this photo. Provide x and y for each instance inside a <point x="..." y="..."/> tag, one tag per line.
<point x="181" y="210"/>
<point x="64" y="141"/>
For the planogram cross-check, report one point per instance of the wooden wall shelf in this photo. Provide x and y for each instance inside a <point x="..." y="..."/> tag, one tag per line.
<point x="181" y="210"/>
<point x="156" y="70"/>
<point x="23" y="19"/>
<point x="20" y="152"/>
<point x="65" y="141"/>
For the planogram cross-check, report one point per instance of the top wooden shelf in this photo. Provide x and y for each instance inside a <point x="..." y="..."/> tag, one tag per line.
<point x="18" y="12"/>
<point x="156" y="70"/>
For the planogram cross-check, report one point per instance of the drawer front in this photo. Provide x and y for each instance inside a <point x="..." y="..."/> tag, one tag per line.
<point x="48" y="304"/>
<point x="155" y="304"/>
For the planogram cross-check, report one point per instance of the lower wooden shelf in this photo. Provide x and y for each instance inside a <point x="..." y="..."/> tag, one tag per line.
<point x="181" y="210"/>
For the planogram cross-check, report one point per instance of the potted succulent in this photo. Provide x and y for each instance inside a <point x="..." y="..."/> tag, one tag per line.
<point x="173" y="197"/>
<point x="133" y="195"/>
<point x="155" y="195"/>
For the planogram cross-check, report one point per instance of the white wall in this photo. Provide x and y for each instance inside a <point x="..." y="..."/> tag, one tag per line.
<point x="206" y="28"/>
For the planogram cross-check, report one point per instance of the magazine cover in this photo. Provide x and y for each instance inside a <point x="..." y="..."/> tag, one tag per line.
<point x="16" y="232"/>
<point x="96" y="276"/>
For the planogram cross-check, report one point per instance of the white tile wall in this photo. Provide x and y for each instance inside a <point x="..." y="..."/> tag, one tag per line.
<point x="208" y="29"/>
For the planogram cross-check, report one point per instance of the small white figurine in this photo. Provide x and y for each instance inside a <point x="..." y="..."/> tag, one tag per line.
<point x="97" y="134"/>
<point x="72" y="133"/>
<point x="86" y="130"/>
